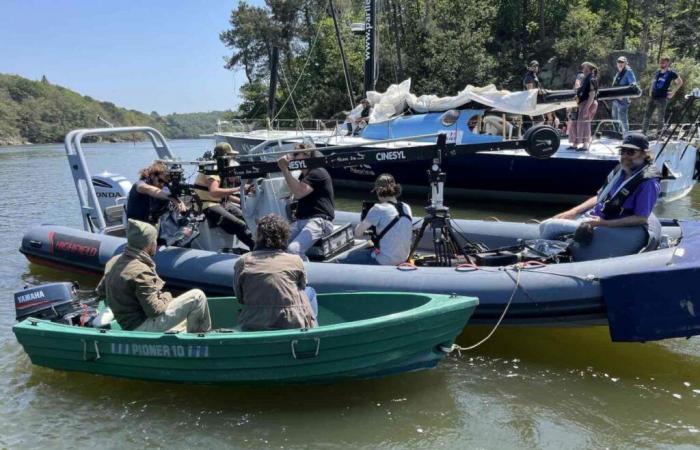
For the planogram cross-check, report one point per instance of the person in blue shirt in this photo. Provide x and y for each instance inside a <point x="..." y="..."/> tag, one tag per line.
<point x="660" y="92"/>
<point x="620" y="107"/>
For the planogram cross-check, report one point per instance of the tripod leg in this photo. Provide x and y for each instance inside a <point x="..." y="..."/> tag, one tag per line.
<point x="454" y="241"/>
<point x="418" y="237"/>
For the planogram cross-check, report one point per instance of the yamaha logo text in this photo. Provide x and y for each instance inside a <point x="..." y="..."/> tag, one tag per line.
<point x="30" y="297"/>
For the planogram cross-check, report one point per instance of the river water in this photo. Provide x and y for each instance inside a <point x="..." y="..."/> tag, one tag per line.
<point x="525" y="388"/>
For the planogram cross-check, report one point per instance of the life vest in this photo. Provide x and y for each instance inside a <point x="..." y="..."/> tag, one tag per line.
<point x="377" y="238"/>
<point x="613" y="201"/>
<point x="201" y="191"/>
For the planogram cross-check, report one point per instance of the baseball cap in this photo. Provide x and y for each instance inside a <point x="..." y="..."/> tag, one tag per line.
<point x="636" y="141"/>
<point x="622" y="59"/>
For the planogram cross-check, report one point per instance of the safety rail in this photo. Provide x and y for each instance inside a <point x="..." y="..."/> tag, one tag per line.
<point x="248" y="125"/>
<point x="89" y="205"/>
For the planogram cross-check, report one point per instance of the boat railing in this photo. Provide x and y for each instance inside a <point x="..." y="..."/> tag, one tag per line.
<point x="301" y="125"/>
<point x="90" y="209"/>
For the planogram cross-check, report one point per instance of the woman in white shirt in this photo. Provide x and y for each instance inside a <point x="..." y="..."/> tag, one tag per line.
<point x="393" y="227"/>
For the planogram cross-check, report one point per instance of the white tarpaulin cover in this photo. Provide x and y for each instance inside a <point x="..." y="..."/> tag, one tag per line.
<point x="398" y="96"/>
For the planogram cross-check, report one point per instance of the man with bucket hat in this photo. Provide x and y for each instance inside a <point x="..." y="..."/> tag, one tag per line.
<point x="134" y="292"/>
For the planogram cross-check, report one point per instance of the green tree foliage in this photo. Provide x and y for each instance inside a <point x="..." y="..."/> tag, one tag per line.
<point x="444" y="45"/>
<point x="581" y="37"/>
<point x="39" y="112"/>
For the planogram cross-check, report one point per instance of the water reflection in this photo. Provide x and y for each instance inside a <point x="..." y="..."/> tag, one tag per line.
<point x="525" y="388"/>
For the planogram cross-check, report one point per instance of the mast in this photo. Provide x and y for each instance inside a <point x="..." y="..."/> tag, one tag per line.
<point x="348" y="84"/>
<point x="370" y="45"/>
<point x="272" y="93"/>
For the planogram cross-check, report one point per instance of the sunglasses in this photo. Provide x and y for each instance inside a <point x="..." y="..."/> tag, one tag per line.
<point x="628" y="151"/>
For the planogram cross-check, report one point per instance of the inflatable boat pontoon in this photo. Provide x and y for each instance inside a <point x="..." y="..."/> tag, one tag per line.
<point x="630" y="291"/>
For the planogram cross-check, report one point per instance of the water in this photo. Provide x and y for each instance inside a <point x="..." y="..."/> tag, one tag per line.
<point x="525" y="388"/>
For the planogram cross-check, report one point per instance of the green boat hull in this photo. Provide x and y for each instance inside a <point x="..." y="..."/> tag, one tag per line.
<point x="360" y="335"/>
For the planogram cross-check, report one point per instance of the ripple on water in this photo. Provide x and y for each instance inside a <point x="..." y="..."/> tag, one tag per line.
<point x="525" y="388"/>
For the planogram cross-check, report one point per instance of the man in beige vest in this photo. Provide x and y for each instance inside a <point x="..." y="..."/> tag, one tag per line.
<point x="134" y="292"/>
<point x="219" y="204"/>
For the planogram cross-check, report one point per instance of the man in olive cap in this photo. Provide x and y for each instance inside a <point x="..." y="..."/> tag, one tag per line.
<point x="134" y="292"/>
<point x="220" y="204"/>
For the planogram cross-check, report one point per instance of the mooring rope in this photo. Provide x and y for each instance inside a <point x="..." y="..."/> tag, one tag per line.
<point x="518" y="270"/>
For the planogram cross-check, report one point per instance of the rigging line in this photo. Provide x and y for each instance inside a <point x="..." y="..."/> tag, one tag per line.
<point x="303" y="69"/>
<point x="294" y="105"/>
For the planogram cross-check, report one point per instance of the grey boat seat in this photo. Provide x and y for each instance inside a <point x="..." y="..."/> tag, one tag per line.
<point x="612" y="242"/>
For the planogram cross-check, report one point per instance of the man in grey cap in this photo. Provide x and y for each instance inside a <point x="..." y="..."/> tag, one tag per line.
<point x="623" y="77"/>
<point x="134" y="292"/>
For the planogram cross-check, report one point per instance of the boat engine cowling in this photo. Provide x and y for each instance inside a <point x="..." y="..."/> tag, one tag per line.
<point x="50" y="301"/>
<point x="112" y="192"/>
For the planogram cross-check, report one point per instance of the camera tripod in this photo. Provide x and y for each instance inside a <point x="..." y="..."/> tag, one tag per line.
<point x="445" y="239"/>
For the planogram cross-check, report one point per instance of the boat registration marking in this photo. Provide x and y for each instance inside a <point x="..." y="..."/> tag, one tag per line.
<point x="161" y="350"/>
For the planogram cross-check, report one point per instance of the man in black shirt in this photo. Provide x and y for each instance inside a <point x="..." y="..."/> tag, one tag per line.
<point x="530" y="81"/>
<point x="316" y="207"/>
<point x="660" y="92"/>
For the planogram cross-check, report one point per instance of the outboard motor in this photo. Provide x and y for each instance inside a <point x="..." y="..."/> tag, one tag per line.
<point x="50" y="301"/>
<point x="112" y="192"/>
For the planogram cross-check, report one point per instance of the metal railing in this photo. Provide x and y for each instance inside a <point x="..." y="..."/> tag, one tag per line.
<point x="89" y="205"/>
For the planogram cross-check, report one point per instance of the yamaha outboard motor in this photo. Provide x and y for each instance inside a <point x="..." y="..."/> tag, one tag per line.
<point x="50" y="301"/>
<point x="112" y="192"/>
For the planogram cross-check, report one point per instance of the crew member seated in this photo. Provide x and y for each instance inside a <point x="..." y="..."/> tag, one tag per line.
<point x="220" y="205"/>
<point x="148" y="198"/>
<point x="271" y="284"/>
<point x="356" y="123"/>
<point x="316" y="206"/>
<point x="624" y="203"/>
<point x="134" y="292"/>
<point x="393" y="224"/>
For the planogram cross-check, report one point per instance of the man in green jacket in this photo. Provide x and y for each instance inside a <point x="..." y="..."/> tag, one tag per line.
<point x="134" y="292"/>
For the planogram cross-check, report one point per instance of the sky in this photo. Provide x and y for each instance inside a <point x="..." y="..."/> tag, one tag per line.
<point x="148" y="55"/>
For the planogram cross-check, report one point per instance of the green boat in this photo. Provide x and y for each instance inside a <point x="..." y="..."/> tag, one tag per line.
<point x="360" y="335"/>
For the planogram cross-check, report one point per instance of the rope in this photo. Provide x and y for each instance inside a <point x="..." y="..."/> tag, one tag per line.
<point x="303" y="69"/>
<point x="294" y="105"/>
<point x="518" y="270"/>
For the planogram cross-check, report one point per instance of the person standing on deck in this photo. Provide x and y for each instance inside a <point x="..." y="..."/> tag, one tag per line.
<point x="660" y="92"/>
<point x="587" y="106"/>
<point x="623" y="77"/>
<point x="572" y="114"/>
<point x="530" y="81"/>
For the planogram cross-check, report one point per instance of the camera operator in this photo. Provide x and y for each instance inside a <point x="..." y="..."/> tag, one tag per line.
<point x="149" y="197"/>
<point x="314" y="192"/>
<point x="219" y="204"/>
